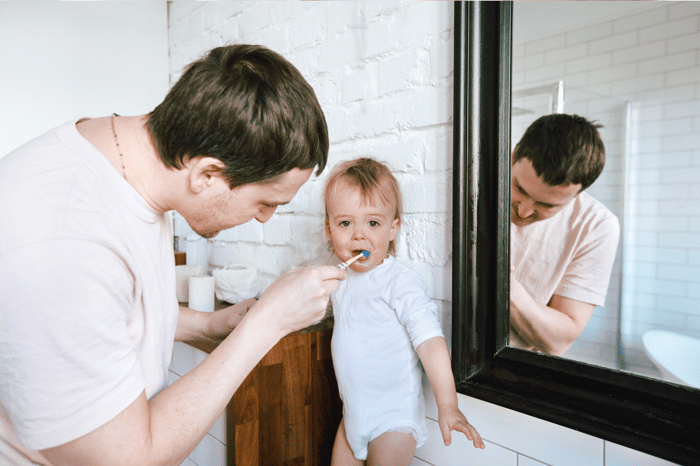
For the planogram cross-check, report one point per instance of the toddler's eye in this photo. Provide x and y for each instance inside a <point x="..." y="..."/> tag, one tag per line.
<point x="344" y="223"/>
<point x="373" y="223"/>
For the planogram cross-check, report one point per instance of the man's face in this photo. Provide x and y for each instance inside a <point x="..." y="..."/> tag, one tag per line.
<point x="531" y="199"/>
<point x="227" y="208"/>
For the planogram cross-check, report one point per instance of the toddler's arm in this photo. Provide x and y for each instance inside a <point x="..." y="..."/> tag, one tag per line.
<point x="436" y="361"/>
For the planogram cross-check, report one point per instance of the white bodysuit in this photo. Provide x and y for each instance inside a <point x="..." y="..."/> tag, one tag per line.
<point x="381" y="316"/>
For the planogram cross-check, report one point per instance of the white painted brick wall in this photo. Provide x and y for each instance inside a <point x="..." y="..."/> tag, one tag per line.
<point x="383" y="74"/>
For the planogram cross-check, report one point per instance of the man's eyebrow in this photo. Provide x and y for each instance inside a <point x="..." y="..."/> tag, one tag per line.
<point x="517" y="185"/>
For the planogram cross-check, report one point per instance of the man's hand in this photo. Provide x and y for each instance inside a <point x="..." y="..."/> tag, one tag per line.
<point x="223" y="321"/>
<point x="299" y="297"/>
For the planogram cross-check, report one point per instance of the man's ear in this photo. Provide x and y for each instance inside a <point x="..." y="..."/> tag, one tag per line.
<point x="204" y="172"/>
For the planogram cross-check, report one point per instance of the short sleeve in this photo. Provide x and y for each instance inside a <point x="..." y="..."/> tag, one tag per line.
<point x="587" y="277"/>
<point x="64" y="339"/>
<point x="414" y="308"/>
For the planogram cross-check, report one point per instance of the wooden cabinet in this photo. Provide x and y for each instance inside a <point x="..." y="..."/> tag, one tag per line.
<point x="287" y="411"/>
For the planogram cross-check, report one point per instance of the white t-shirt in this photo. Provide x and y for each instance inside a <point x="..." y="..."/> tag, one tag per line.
<point x="381" y="316"/>
<point x="87" y="291"/>
<point x="570" y="254"/>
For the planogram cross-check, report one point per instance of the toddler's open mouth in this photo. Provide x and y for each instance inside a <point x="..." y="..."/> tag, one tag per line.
<point x="359" y="251"/>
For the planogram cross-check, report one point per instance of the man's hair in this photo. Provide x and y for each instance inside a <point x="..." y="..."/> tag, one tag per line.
<point x="374" y="180"/>
<point x="246" y="106"/>
<point x="563" y="150"/>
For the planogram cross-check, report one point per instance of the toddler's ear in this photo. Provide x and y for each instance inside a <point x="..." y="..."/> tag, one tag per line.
<point x="328" y="230"/>
<point x="395" y="225"/>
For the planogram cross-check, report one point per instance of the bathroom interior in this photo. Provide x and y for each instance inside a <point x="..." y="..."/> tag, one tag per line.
<point x="650" y="129"/>
<point x="632" y="66"/>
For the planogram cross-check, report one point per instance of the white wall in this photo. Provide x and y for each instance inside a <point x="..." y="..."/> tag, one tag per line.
<point x="383" y="74"/>
<point x="64" y="60"/>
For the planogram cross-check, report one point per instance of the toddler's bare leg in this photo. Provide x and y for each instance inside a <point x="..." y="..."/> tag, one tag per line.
<point x="391" y="449"/>
<point x="342" y="453"/>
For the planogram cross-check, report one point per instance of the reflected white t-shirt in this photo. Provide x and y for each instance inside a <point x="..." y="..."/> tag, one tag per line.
<point x="570" y="254"/>
<point x="87" y="292"/>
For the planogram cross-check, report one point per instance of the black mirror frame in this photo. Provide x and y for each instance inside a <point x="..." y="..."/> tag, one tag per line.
<point x="658" y="418"/>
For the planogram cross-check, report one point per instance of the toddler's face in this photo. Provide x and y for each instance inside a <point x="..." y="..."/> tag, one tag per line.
<point x="354" y="225"/>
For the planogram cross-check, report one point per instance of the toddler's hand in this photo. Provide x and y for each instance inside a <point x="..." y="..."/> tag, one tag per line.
<point x="451" y="418"/>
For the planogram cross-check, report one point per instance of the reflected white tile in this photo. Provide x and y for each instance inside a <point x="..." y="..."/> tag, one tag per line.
<point x="617" y="455"/>
<point x="525" y="461"/>
<point x="461" y="451"/>
<point x="188" y="462"/>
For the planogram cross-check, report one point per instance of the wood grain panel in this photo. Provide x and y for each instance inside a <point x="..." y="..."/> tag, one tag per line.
<point x="287" y="410"/>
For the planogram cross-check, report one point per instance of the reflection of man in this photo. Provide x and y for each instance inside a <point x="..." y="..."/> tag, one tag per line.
<point x="563" y="242"/>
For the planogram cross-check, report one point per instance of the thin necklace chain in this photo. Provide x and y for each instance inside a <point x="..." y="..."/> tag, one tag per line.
<point x="119" y="149"/>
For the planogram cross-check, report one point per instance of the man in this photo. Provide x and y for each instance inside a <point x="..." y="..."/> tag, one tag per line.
<point x="88" y="309"/>
<point x="563" y="242"/>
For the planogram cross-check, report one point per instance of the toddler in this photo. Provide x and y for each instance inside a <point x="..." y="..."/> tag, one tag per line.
<point x="385" y="326"/>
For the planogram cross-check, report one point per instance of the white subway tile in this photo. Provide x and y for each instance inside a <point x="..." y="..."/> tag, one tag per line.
<point x="613" y="73"/>
<point x="640" y="21"/>
<point x="668" y="29"/>
<point x="525" y="461"/>
<point x="565" y="54"/>
<point x="185" y="358"/>
<point x="209" y="452"/>
<point x="546" y="74"/>
<point x="683" y="9"/>
<point x="616" y="42"/>
<point x="617" y="455"/>
<point x="680" y="77"/>
<point x="668" y="63"/>
<point x="590" y="33"/>
<point x="683" y="43"/>
<point x="461" y="451"/>
<point x="638" y="53"/>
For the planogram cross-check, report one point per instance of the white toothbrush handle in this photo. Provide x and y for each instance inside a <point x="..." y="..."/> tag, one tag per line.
<point x="347" y="263"/>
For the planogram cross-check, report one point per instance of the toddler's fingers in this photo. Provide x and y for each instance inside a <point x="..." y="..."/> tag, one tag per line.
<point x="446" y="434"/>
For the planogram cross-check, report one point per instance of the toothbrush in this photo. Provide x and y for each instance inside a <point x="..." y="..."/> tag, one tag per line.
<point x="347" y="263"/>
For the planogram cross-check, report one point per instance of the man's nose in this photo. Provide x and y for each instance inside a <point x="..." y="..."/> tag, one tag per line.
<point x="265" y="214"/>
<point x="525" y="208"/>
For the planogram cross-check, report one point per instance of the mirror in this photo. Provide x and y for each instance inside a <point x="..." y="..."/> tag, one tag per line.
<point x="641" y="412"/>
<point x="632" y="67"/>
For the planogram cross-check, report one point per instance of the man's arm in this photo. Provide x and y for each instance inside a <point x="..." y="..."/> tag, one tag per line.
<point x="210" y="326"/>
<point x="549" y="329"/>
<point x="165" y="429"/>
